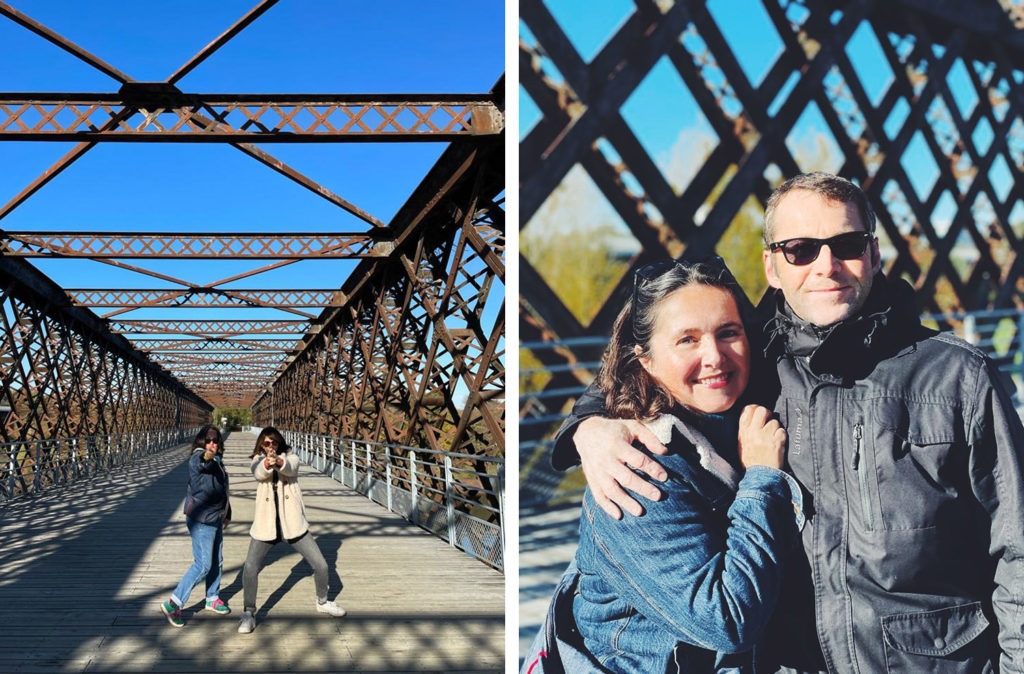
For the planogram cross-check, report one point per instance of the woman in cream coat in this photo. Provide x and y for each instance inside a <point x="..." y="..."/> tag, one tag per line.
<point x="279" y="516"/>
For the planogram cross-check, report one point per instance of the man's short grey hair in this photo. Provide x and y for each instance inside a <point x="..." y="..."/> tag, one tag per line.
<point x="832" y="187"/>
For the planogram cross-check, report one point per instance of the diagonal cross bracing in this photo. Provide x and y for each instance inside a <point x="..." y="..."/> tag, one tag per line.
<point x="392" y="352"/>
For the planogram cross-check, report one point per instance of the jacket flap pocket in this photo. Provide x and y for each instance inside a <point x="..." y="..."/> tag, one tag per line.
<point x="920" y="423"/>
<point x="934" y="632"/>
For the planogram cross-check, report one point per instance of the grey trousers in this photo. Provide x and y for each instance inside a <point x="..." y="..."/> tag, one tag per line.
<point x="305" y="546"/>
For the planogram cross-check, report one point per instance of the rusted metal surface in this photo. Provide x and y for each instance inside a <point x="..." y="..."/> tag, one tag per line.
<point x="214" y="245"/>
<point x="407" y="359"/>
<point x="62" y="374"/>
<point x="204" y="297"/>
<point x="164" y="114"/>
<point x="884" y="123"/>
<point x="419" y="282"/>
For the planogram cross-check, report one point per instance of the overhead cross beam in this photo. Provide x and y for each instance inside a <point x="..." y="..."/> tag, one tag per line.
<point x="79" y="150"/>
<point x="166" y="245"/>
<point x="203" y="297"/>
<point x="200" y="328"/>
<point x="158" y="112"/>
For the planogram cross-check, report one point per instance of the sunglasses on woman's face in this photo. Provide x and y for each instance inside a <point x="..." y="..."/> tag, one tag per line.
<point x="804" y="250"/>
<point x="211" y="441"/>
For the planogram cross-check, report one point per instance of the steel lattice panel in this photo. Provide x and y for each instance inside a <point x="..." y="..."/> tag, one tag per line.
<point x="957" y="239"/>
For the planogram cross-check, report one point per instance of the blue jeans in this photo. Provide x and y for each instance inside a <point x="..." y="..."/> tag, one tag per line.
<point x="208" y="561"/>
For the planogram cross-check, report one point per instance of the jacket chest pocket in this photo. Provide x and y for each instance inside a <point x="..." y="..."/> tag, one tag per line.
<point x="915" y="456"/>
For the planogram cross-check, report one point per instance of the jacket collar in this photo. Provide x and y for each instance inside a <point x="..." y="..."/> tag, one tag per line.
<point x="851" y="347"/>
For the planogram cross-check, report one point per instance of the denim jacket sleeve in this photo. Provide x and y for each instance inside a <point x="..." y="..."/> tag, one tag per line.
<point x="997" y="478"/>
<point x="710" y="580"/>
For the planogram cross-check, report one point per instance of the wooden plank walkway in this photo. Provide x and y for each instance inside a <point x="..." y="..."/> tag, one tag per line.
<point x="83" y="570"/>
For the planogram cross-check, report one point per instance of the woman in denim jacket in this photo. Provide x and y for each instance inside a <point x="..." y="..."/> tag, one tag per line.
<point x="690" y="586"/>
<point x="207" y="510"/>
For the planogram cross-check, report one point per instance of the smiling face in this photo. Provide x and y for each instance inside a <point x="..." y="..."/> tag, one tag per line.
<point x="827" y="290"/>
<point x="698" y="350"/>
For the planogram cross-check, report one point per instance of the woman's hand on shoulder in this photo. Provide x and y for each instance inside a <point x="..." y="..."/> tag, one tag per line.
<point x="762" y="440"/>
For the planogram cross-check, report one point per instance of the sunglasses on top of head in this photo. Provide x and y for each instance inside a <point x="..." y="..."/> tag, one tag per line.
<point x="804" y="250"/>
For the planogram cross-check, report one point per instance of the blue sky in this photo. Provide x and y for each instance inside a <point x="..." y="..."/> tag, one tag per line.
<point x="297" y="46"/>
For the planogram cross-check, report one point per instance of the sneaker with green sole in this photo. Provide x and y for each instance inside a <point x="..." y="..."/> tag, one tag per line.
<point x="217" y="606"/>
<point x="173" y="613"/>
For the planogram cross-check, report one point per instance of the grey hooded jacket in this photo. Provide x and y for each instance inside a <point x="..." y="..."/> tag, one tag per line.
<point x="910" y="454"/>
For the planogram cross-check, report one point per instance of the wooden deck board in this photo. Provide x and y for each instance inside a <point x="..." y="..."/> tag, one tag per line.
<point x="82" y="572"/>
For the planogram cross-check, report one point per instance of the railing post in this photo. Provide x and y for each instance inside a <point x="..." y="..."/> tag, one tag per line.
<point x="35" y="468"/>
<point x="14" y="463"/>
<point x="501" y="511"/>
<point x="387" y="475"/>
<point x="369" y="475"/>
<point x="353" y="464"/>
<point x="1018" y="378"/>
<point x="415" y="494"/>
<point x="970" y="329"/>
<point x="449" y="503"/>
<point x="74" y="453"/>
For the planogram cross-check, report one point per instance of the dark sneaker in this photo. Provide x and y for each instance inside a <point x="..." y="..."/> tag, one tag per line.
<point x="173" y="613"/>
<point x="248" y="623"/>
<point x="330" y="608"/>
<point x="217" y="606"/>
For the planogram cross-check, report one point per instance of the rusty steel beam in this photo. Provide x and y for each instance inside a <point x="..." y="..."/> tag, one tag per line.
<point x="249" y="149"/>
<point x="202" y="297"/>
<point x="221" y="40"/>
<point x="213" y="344"/>
<point x="158" y="112"/>
<point x="214" y="245"/>
<point x="219" y="329"/>
<point x="66" y="45"/>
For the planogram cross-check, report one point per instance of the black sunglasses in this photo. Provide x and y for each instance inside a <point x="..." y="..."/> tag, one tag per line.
<point x="804" y="250"/>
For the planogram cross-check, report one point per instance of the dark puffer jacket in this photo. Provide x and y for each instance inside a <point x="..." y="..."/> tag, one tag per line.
<point x="206" y="498"/>
<point x="910" y="455"/>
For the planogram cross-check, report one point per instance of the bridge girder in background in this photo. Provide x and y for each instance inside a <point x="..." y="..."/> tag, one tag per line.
<point x="447" y="243"/>
<point x="959" y="240"/>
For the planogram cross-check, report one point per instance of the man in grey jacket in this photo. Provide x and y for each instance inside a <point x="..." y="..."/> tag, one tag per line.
<point x="905" y="441"/>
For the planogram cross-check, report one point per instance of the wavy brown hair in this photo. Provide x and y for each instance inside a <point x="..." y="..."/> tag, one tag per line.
<point x="200" y="440"/>
<point x="274" y="434"/>
<point x="630" y="391"/>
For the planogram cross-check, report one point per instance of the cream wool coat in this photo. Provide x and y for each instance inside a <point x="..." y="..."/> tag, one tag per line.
<point x="289" y="499"/>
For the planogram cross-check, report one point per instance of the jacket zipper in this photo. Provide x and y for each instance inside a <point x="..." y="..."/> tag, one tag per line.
<point x="862" y="479"/>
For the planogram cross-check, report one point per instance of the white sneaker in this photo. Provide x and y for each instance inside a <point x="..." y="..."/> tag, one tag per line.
<point x="248" y="623"/>
<point x="330" y="608"/>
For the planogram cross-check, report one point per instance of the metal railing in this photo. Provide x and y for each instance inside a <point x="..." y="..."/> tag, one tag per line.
<point x="35" y="466"/>
<point x="445" y="493"/>
<point x="999" y="333"/>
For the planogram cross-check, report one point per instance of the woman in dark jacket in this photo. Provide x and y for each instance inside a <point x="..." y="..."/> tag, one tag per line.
<point x="207" y="510"/>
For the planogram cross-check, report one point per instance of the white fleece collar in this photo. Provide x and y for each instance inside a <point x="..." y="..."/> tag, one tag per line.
<point x="710" y="460"/>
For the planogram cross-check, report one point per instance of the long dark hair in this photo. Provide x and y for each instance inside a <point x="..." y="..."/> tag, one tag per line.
<point x="273" y="434"/>
<point x="200" y="440"/>
<point x="630" y="391"/>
